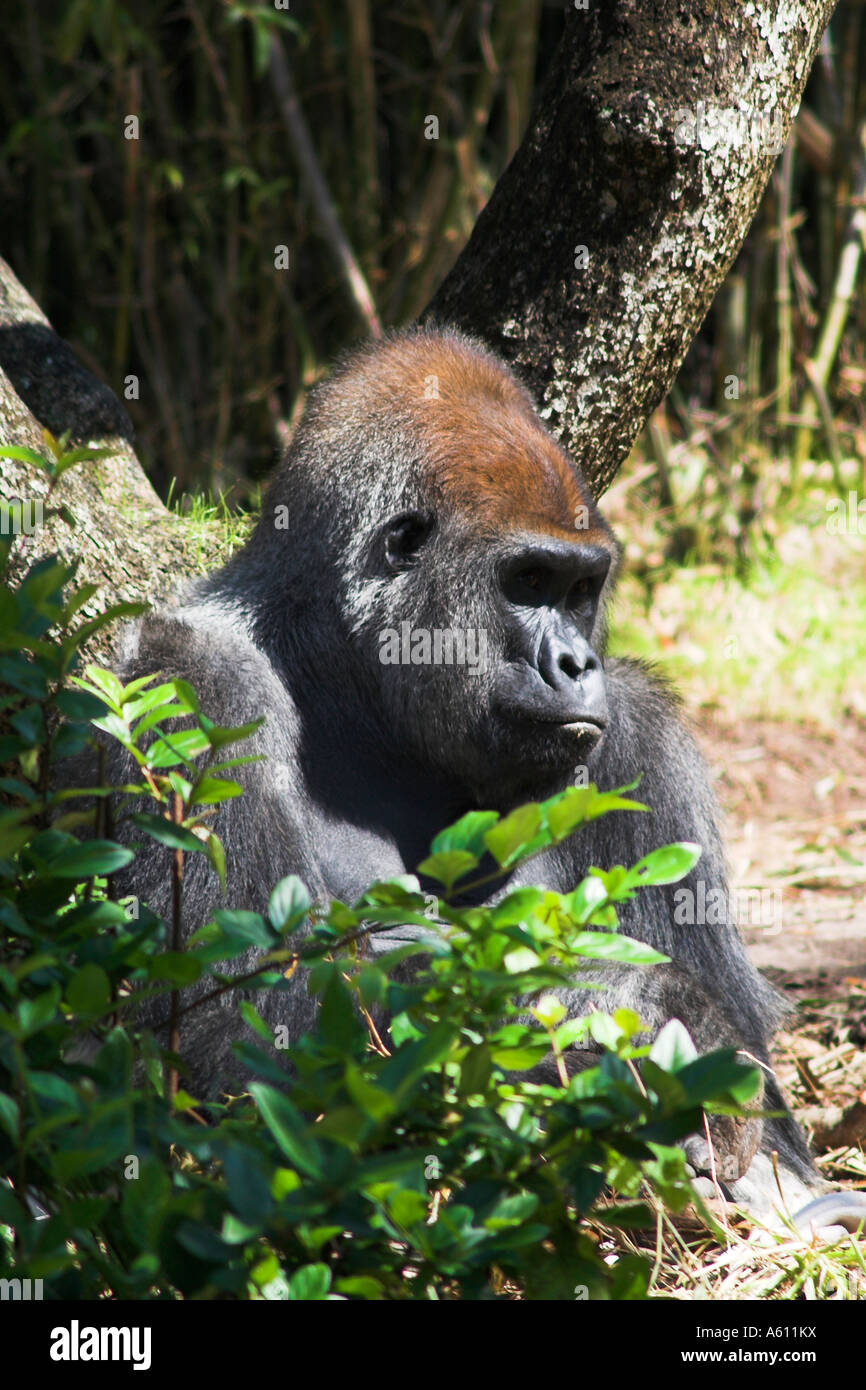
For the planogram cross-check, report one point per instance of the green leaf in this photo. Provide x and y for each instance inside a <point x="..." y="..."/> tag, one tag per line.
<point x="466" y="834"/>
<point x="360" y="1286"/>
<point x="412" y="1059"/>
<point x="220" y="738"/>
<point x="89" y="991"/>
<point x="511" y="1211"/>
<point x="475" y="1070"/>
<point x="289" y="903"/>
<point x="166" y="832"/>
<point x="520" y="959"/>
<point x="158" y="718"/>
<point x="605" y="945"/>
<point x="80" y="704"/>
<point x="22" y="675"/>
<point x="407" y="1208"/>
<point x="246" y="926"/>
<point x="83" y="454"/>
<point x="101" y="857"/>
<point x="252" y="1016"/>
<point x="248" y="1186"/>
<point x="138" y="702"/>
<point x="570" y="809"/>
<point x="213" y="848"/>
<point x="521" y="1058"/>
<point x="209" y="791"/>
<point x="106" y="682"/>
<point x="580" y="805"/>
<point x="203" y="1242"/>
<point x="673" y="1048"/>
<point x="372" y="986"/>
<point x="54" y="1088"/>
<point x="448" y="866"/>
<point x="34" y="1014"/>
<point x="179" y="747"/>
<point x="288" y="1128"/>
<point x="11" y="1211"/>
<point x="719" y="1074"/>
<point x="604" y="1030"/>
<point x="30" y="724"/>
<point x="23" y="455"/>
<point x="666" y="865"/>
<point x="311" y="1282"/>
<point x="144" y="1202"/>
<point x="514" y="835"/>
<point x="370" y="1099"/>
<point x="339" y="1025"/>
<point x="174" y="966"/>
<point x="586" y="899"/>
<point x="627" y="1215"/>
<point x="549" y="1010"/>
<point x="517" y="907"/>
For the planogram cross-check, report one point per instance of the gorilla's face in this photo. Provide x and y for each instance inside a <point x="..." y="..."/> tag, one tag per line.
<point x="488" y="669"/>
<point x="548" y="688"/>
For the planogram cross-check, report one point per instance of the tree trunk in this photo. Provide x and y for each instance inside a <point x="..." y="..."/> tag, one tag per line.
<point x="123" y="538"/>
<point x="651" y="142"/>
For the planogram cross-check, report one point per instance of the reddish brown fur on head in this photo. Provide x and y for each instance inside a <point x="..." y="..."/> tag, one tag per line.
<point x="483" y="449"/>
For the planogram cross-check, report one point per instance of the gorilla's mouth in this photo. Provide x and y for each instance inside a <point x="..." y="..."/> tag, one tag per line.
<point x="570" y="723"/>
<point x="582" y="728"/>
<point x="562" y="735"/>
<point x="584" y="731"/>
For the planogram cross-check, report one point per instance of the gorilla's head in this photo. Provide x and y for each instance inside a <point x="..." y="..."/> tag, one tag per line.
<point x="435" y="567"/>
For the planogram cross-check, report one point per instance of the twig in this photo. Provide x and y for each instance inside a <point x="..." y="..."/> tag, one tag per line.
<point x="176" y="941"/>
<point x="818" y="370"/>
<point x="299" y="134"/>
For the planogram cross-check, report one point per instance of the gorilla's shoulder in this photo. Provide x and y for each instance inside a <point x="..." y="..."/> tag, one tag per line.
<point x="645" y="680"/>
<point x="210" y="645"/>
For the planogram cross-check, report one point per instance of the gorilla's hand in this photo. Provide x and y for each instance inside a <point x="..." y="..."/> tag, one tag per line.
<point x="734" y="1141"/>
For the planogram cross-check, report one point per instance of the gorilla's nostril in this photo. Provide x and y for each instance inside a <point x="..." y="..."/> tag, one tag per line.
<point x="569" y="666"/>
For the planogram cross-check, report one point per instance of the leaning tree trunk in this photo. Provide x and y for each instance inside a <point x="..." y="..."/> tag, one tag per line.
<point x="103" y="515"/>
<point x="591" y="267"/>
<point x="593" y="264"/>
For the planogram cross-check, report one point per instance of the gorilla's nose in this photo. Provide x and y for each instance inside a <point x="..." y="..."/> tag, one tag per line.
<point x="561" y="663"/>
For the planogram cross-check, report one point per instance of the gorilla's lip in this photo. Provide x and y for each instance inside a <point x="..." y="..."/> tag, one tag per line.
<point x="577" y="728"/>
<point x="580" y="726"/>
<point x="569" y="723"/>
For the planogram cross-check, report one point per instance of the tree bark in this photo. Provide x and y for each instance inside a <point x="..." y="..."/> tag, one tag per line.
<point x="628" y="156"/>
<point x="123" y="539"/>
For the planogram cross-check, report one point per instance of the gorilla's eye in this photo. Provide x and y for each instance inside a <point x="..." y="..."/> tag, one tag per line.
<point x="404" y="537"/>
<point x="532" y="579"/>
<point x="580" y="592"/>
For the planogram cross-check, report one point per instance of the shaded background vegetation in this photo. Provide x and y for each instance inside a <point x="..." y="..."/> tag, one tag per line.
<point x="155" y="257"/>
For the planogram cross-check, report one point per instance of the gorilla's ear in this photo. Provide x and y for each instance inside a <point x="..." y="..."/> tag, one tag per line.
<point x="404" y="536"/>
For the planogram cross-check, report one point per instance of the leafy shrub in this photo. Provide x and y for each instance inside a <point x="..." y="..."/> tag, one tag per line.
<point x="416" y="1162"/>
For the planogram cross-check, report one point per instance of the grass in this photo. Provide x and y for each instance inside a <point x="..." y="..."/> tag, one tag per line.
<point x="786" y="639"/>
<point x="213" y="529"/>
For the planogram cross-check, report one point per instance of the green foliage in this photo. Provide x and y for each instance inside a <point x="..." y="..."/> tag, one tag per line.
<point x="421" y="1161"/>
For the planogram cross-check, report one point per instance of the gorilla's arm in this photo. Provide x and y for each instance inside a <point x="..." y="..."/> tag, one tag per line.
<point x="235" y="683"/>
<point x="263" y="838"/>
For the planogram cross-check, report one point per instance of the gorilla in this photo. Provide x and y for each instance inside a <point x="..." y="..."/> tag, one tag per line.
<point x="423" y="511"/>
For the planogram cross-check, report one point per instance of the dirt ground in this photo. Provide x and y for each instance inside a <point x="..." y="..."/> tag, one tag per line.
<point x="795" y="803"/>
